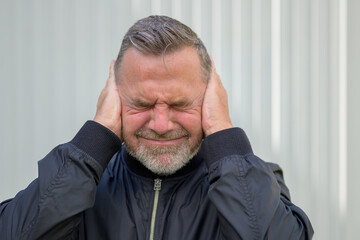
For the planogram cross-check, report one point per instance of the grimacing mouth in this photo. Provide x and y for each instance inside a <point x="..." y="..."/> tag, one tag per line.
<point x="151" y="135"/>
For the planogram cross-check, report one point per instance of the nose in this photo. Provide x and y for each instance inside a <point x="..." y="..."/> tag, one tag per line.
<point x="161" y="120"/>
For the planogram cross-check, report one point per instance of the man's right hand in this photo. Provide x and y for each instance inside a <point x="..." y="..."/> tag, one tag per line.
<point x="108" y="111"/>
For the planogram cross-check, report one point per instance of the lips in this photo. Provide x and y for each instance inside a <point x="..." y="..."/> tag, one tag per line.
<point x="152" y="135"/>
<point x="163" y="141"/>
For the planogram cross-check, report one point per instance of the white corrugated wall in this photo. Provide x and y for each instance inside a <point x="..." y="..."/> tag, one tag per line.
<point x="283" y="63"/>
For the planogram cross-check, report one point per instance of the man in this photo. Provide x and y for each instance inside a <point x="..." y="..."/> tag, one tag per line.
<point x="183" y="172"/>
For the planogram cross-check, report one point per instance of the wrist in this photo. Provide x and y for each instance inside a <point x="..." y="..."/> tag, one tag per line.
<point x="97" y="141"/>
<point x="217" y="128"/>
<point x="232" y="141"/>
<point x="109" y="125"/>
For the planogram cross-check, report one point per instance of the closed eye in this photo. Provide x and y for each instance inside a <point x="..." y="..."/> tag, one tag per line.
<point x="139" y="104"/>
<point x="180" y="105"/>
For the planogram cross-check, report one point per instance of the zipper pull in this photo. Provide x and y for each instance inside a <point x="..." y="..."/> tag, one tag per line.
<point x="157" y="188"/>
<point x="157" y="184"/>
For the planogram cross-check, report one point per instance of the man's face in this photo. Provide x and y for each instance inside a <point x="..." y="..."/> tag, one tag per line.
<point x="161" y="107"/>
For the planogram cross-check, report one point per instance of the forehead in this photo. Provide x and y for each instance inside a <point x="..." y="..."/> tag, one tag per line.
<point x="178" y="62"/>
<point x="176" y="74"/>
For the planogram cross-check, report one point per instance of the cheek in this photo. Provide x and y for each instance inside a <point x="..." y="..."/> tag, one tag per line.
<point x="133" y="122"/>
<point x="191" y="122"/>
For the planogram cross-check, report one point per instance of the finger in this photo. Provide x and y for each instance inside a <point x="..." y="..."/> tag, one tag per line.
<point x="215" y="78"/>
<point x="111" y="80"/>
<point x="213" y="70"/>
<point x="213" y="67"/>
<point x="111" y="69"/>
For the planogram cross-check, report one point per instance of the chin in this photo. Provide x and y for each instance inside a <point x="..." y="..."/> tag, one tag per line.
<point x="164" y="160"/>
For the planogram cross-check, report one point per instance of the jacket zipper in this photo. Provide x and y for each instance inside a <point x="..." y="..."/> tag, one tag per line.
<point x="157" y="188"/>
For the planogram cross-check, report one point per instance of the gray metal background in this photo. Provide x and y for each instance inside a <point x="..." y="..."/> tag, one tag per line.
<point x="289" y="66"/>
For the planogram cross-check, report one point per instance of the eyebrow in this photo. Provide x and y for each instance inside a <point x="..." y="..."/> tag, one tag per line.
<point x="140" y="103"/>
<point x="181" y="103"/>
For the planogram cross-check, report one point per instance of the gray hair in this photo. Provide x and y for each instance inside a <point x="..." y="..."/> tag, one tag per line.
<point x="157" y="35"/>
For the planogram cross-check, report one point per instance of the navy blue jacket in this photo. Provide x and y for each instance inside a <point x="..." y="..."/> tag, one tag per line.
<point x="89" y="189"/>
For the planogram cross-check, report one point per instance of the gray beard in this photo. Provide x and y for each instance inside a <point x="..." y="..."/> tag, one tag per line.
<point x="164" y="160"/>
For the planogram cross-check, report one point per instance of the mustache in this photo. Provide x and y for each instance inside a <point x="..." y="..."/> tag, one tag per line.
<point x="151" y="134"/>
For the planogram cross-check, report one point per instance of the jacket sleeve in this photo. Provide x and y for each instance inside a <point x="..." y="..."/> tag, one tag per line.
<point x="250" y="195"/>
<point x="52" y="204"/>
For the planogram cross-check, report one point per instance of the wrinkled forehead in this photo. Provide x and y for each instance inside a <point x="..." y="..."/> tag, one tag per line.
<point x="183" y="63"/>
<point x="187" y="53"/>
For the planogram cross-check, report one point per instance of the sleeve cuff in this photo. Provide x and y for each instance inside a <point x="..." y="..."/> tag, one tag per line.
<point x="224" y="143"/>
<point x="97" y="141"/>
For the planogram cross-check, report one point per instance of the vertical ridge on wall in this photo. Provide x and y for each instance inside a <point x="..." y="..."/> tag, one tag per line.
<point x="176" y="9"/>
<point x="343" y="185"/>
<point x="237" y="80"/>
<point x="216" y="23"/>
<point x="256" y="68"/>
<point x="334" y="114"/>
<point x="300" y="157"/>
<point x="315" y="134"/>
<point x="276" y="76"/>
<point x="196" y="14"/>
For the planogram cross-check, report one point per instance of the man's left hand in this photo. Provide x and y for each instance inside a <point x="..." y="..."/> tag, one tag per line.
<point x="215" y="108"/>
